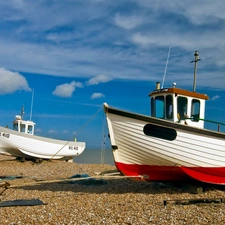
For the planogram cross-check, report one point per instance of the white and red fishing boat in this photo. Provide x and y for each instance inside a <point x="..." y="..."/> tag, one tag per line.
<point x="171" y="144"/>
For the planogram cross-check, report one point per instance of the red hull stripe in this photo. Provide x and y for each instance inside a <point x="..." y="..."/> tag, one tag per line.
<point x="174" y="173"/>
<point x="215" y="175"/>
<point x="153" y="173"/>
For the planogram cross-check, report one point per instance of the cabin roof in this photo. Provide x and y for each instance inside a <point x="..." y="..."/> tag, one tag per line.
<point x="24" y="122"/>
<point x="179" y="91"/>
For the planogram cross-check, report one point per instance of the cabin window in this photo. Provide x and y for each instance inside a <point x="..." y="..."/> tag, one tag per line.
<point x="153" y="107"/>
<point x="22" y="128"/>
<point x="15" y="126"/>
<point x="195" y="109"/>
<point x="181" y="107"/>
<point x="30" y="129"/>
<point x="159" y="107"/>
<point x="169" y="107"/>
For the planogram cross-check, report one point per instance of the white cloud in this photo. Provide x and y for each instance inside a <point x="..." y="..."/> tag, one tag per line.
<point x="99" y="79"/>
<point x="127" y="22"/>
<point x="11" y="82"/>
<point x="143" y="39"/>
<point x="195" y="11"/>
<point x="215" y="97"/>
<point x="66" y="90"/>
<point x="97" y="95"/>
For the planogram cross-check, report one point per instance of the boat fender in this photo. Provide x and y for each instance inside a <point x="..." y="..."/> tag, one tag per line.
<point x="182" y="122"/>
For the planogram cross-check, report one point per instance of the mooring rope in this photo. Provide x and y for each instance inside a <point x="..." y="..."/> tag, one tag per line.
<point x="103" y="140"/>
<point x="8" y="186"/>
<point x="78" y="131"/>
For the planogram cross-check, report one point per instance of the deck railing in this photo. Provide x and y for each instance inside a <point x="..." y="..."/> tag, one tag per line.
<point x="205" y="120"/>
<point x="214" y="122"/>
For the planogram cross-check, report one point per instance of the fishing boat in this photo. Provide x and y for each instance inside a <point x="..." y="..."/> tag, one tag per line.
<point x="171" y="144"/>
<point x="22" y="143"/>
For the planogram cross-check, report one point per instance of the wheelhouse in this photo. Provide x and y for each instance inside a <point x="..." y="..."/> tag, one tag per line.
<point x="23" y="126"/>
<point x="178" y="105"/>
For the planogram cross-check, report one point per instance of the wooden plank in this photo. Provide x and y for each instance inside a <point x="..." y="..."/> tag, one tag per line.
<point x="194" y="201"/>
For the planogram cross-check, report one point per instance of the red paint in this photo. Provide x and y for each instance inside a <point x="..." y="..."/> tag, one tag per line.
<point x="174" y="173"/>
<point x="213" y="175"/>
<point x="155" y="173"/>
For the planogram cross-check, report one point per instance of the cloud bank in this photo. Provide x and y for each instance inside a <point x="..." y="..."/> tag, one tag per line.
<point x="124" y="39"/>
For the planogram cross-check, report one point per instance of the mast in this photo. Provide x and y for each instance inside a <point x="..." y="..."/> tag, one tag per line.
<point x="166" y="66"/>
<point x="31" y="108"/>
<point x="195" y="69"/>
<point x="22" y="112"/>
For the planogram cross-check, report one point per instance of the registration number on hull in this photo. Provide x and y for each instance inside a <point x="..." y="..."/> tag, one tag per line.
<point x="4" y="134"/>
<point x="73" y="147"/>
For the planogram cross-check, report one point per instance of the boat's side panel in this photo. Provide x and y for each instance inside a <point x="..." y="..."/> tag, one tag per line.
<point x="214" y="175"/>
<point x="12" y="152"/>
<point x="7" y="149"/>
<point x="187" y="149"/>
<point x="152" y="173"/>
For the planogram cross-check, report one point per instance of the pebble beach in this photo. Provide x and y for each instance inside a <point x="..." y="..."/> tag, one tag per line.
<point x="99" y="200"/>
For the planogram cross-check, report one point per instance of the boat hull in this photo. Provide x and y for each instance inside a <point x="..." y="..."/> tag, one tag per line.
<point x="175" y="173"/>
<point x="157" y="150"/>
<point x="152" y="173"/>
<point x="10" y="151"/>
<point x="30" y="146"/>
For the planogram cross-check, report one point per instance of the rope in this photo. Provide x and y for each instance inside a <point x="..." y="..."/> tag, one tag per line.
<point x="103" y="140"/>
<point x="89" y="120"/>
<point x="78" y="131"/>
<point x="69" y="179"/>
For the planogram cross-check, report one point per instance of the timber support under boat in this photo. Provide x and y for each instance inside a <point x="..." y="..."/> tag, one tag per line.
<point x="194" y="201"/>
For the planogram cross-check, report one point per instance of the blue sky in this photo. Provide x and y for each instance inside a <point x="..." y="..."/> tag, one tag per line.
<point x="78" y="54"/>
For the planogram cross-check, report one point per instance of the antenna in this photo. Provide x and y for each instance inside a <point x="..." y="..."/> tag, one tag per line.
<point x="195" y="69"/>
<point x="32" y="99"/>
<point x="22" y="112"/>
<point x="166" y="67"/>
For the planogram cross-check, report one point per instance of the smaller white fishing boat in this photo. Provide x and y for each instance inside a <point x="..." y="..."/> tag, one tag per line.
<point x="21" y="142"/>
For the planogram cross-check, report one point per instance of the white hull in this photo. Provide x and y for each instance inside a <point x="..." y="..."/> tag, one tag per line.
<point x="188" y="149"/>
<point x="25" y="145"/>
